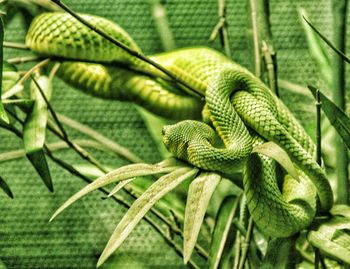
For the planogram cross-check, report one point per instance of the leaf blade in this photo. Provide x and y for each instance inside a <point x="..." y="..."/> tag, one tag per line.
<point x="223" y="223"/>
<point x="5" y="187"/>
<point x="122" y="173"/>
<point x="199" y="193"/>
<point x="141" y="206"/>
<point x="3" y="115"/>
<point x="338" y="119"/>
<point x="272" y="150"/>
<point x="34" y="130"/>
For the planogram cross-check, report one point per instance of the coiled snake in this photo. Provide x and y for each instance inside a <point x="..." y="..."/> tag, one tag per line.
<point x="241" y="108"/>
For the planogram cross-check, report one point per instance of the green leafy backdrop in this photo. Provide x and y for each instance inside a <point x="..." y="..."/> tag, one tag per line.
<point x="77" y="237"/>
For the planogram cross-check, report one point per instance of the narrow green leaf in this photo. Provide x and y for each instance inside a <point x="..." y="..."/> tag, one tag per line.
<point x="272" y="150"/>
<point x="341" y="210"/>
<point x="38" y="160"/>
<point x="5" y="188"/>
<point x="280" y="254"/>
<point x="329" y="43"/>
<point x="34" y="128"/>
<point x="3" y="115"/>
<point x="142" y="205"/>
<point x="332" y="237"/>
<point x="221" y="230"/>
<point x="120" y="185"/>
<point x="339" y="120"/>
<point x="199" y="193"/>
<point x="26" y="104"/>
<point x="122" y="173"/>
<point x="10" y="76"/>
<point x="316" y="48"/>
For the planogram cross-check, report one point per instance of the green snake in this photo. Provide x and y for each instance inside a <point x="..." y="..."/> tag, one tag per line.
<point x="242" y="113"/>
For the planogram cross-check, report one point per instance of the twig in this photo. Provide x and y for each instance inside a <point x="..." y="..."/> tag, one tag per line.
<point x="246" y="243"/>
<point x="15" y="45"/>
<point x="271" y="67"/>
<point x="20" y="153"/>
<point x="33" y="70"/>
<point x="256" y="46"/>
<point x="339" y="10"/>
<point x="221" y="29"/>
<point x="138" y="55"/>
<point x="25" y="59"/>
<point x="318" y="128"/>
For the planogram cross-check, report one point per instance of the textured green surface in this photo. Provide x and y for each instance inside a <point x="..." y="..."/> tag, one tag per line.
<point x="76" y="238"/>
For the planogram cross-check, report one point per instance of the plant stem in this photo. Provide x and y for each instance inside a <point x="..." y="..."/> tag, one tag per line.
<point x="221" y="29"/>
<point x="20" y="153"/>
<point x="339" y="10"/>
<point x="262" y="44"/>
<point x="25" y="59"/>
<point x="191" y="90"/>
<point x="15" y="45"/>
<point x="255" y="37"/>
<point x="162" y="24"/>
<point x="33" y="70"/>
<point x="246" y="243"/>
<point x="318" y="129"/>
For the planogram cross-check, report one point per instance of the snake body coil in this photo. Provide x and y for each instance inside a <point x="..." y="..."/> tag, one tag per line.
<point x="241" y="108"/>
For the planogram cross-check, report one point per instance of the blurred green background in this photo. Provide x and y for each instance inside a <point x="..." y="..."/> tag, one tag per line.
<point x="76" y="238"/>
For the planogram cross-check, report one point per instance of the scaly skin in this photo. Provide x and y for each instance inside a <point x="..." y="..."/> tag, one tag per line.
<point x="241" y="108"/>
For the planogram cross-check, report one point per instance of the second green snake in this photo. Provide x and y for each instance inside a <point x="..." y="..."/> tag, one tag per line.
<point x="242" y="110"/>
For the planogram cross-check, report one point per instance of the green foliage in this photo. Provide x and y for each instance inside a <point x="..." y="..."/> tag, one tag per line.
<point x="34" y="129"/>
<point x="336" y="116"/>
<point x="221" y="233"/>
<point x="5" y="188"/>
<point x="199" y="193"/>
<point x="329" y="234"/>
<point x="3" y="115"/>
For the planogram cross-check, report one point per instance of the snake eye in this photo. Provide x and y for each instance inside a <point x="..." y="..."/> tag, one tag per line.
<point x="163" y="130"/>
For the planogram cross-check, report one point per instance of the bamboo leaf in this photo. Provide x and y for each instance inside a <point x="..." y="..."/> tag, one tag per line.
<point x="329" y="43"/>
<point x="341" y="210"/>
<point x="280" y="254"/>
<point x="142" y="205"/>
<point x="199" y="193"/>
<point x="10" y="76"/>
<point x="5" y="188"/>
<point x="3" y="115"/>
<point x="120" y="185"/>
<point x="316" y="48"/>
<point x="122" y="173"/>
<point x="272" y="150"/>
<point x="332" y="237"/>
<point x="221" y="230"/>
<point x="38" y="160"/>
<point x="34" y="130"/>
<point x="336" y="116"/>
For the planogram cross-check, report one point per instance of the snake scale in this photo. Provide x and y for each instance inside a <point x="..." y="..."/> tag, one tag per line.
<point x="242" y="111"/>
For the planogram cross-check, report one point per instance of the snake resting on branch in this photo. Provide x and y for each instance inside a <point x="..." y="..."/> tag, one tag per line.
<point x="240" y="110"/>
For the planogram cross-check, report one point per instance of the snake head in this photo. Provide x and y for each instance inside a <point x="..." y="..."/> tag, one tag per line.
<point x="177" y="137"/>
